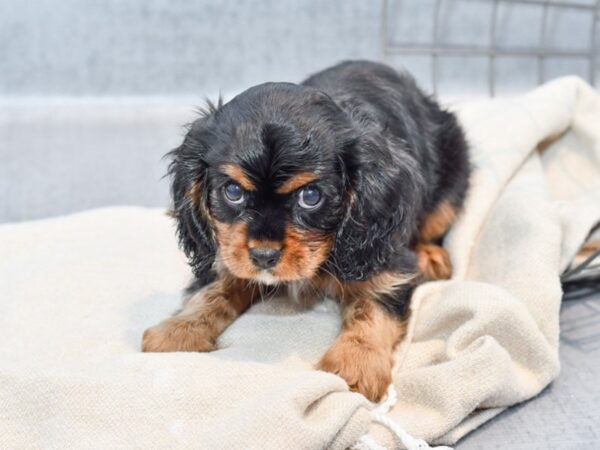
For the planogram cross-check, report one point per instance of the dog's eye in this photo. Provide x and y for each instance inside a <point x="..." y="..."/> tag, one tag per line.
<point x="234" y="193"/>
<point x="309" y="197"/>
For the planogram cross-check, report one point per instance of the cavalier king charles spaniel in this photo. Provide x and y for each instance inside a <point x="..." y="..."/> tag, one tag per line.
<point x="345" y="184"/>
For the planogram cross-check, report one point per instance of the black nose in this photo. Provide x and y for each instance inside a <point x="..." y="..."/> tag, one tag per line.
<point x="264" y="258"/>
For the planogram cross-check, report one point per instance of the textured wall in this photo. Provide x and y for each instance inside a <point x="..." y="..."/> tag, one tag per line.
<point x="58" y="158"/>
<point x="192" y="48"/>
<point x="176" y="47"/>
<point x="94" y="92"/>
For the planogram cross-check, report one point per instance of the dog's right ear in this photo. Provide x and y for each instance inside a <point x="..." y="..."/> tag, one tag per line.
<point x="190" y="192"/>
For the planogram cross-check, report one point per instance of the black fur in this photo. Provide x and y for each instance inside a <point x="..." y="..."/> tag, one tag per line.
<point x="385" y="153"/>
<point x="410" y="156"/>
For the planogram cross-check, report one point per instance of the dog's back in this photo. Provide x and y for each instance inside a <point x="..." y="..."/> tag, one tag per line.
<point x="390" y="103"/>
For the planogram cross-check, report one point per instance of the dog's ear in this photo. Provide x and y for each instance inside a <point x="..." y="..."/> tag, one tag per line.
<point x="190" y="193"/>
<point x="382" y="204"/>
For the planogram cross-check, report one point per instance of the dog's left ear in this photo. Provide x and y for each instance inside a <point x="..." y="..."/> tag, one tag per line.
<point x="190" y="193"/>
<point x="382" y="203"/>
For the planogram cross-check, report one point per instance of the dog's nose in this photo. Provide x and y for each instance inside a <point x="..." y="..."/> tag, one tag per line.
<point x="265" y="258"/>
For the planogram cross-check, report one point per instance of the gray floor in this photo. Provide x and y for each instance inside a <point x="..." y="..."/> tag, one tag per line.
<point x="566" y="415"/>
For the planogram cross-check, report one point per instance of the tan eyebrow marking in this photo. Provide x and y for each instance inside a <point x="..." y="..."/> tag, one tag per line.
<point x="295" y="182"/>
<point x="236" y="173"/>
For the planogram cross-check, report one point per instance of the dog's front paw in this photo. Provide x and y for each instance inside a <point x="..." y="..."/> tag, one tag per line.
<point x="365" y="368"/>
<point x="177" y="335"/>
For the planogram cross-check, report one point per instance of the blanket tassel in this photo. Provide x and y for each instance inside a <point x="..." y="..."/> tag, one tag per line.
<point x="367" y="442"/>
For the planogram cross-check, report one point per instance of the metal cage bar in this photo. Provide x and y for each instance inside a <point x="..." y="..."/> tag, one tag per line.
<point x="541" y="52"/>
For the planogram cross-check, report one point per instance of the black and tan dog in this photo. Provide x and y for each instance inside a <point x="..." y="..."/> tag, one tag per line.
<point x="345" y="184"/>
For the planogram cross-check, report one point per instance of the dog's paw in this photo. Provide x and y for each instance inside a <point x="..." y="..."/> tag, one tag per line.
<point x="365" y="368"/>
<point x="177" y="335"/>
<point x="434" y="262"/>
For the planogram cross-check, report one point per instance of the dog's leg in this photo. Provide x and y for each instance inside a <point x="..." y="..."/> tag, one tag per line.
<point x="203" y="318"/>
<point x="433" y="260"/>
<point x="363" y="353"/>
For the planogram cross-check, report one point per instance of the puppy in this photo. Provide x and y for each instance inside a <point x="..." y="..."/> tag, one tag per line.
<point x="345" y="183"/>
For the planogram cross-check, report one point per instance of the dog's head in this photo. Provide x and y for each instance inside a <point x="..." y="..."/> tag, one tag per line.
<point x="278" y="184"/>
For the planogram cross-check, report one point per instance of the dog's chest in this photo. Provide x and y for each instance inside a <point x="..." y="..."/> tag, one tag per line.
<point x="307" y="292"/>
<point x="300" y="291"/>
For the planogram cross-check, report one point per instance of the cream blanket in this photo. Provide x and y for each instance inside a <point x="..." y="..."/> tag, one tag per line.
<point x="77" y="292"/>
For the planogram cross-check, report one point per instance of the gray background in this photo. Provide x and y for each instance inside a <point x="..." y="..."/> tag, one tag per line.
<point x="188" y="48"/>
<point x="93" y="93"/>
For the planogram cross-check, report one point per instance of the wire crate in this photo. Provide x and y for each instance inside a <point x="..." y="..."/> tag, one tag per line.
<point x="491" y="47"/>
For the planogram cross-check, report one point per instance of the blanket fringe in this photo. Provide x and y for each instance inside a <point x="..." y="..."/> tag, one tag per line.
<point x="367" y="442"/>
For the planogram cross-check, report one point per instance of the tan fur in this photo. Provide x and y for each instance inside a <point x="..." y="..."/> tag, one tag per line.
<point x="302" y="254"/>
<point x="433" y="260"/>
<point x="237" y="174"/>
<point x="204" y="317"/>
<point x="381" y="284"/>
<point x="295" y="182"/>
<point x="195" y="195"/>
<point x="233" y="248"/>
<point x="363" y="353"/>
<point x="254" y="243"/>
<point x="437" y="223"/>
